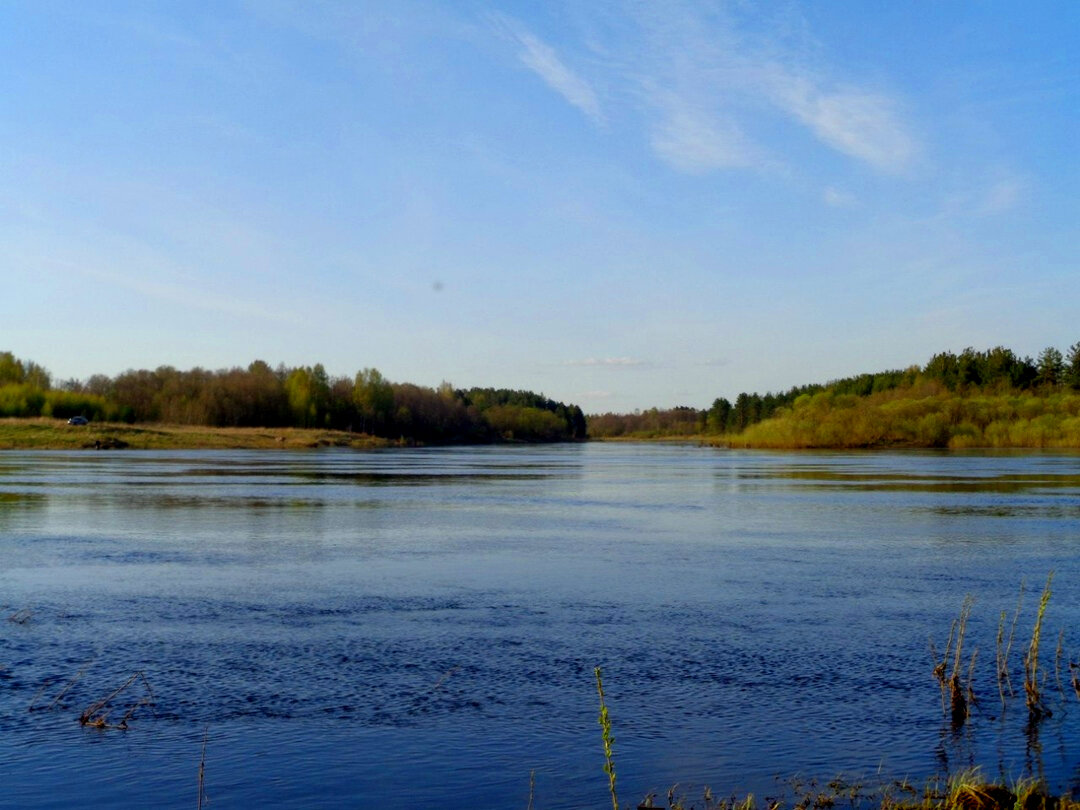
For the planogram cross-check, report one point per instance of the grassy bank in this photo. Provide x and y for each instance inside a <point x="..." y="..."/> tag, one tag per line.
<point x="56" y="434"/>
<point x="967" y="790"/>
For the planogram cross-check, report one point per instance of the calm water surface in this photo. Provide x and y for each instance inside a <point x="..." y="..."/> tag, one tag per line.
<point x="419" y="627"/>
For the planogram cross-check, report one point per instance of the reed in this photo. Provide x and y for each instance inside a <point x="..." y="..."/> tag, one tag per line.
<point x="967" y="790"/>
<point x="969" y="691"/>
<point x="96" y="715"/>
<point x="202" y="770"/>
<point x="70" y="684"/>
<point x="949" y="679"/>
<point x="1004" y="648"/>
<point x="609" y="740"/>
<point x="1058" y="654"/>
<point x="1032" y="679"/>
<point x="677" y="800"/>
<point x="999" y="646"/>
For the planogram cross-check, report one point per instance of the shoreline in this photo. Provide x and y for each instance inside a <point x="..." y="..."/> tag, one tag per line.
<point x="41" y="433"/>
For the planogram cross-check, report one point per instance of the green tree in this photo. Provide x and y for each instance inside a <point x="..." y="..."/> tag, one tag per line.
<point x="307" y="393"/>
<point x="716" y="420"/>
<point x="945" y="368"/>
<point x="374" y="398"/>
<point x="1072" y="367"/>
<point x="971" y="367"/>
<point x="579" y="427"/>
<point x="1051" y="367"/>
<point x="11" y="370"/>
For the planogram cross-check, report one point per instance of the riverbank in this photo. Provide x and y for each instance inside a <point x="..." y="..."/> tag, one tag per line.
<point x="56" y="434"/>
<point x="896" y="419"/>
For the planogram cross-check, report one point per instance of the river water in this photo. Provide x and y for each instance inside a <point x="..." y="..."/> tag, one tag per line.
<point x="419" y="628"/>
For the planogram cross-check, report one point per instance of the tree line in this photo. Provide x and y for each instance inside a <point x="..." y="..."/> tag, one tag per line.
<point x="302" y="396"/>
<point x="996" y="370"/>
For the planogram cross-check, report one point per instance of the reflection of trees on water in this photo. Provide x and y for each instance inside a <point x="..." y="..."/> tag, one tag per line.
<point x="14" y="506"/>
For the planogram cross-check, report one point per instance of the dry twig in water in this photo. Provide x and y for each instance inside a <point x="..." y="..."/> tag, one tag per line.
<point x="96" y="715"/>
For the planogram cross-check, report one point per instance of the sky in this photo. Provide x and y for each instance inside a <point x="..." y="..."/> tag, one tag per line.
<point x="618" y="204"/>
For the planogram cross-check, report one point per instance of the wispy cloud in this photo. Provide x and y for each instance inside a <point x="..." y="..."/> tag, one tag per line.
<point x="695" y="141"/>
<point x="837" y="197"/>
<point x="610" y="362"/>
<point x="171" y="293"/>
<point x="860" y="123"/>
<point x="182" y="295"/>
<point x="711" y="92"/>
<point x="991" y="196"/>
<point x="1001" y="197"/>
<point x="542" y="60"/>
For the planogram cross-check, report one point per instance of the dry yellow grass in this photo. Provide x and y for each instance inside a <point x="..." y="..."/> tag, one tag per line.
<point x="56" y="434"/>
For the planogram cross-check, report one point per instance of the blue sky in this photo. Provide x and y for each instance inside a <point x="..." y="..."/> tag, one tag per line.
<point x="619" y="204"/>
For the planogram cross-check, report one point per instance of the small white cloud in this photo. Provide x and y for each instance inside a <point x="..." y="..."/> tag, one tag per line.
<point x="858" y="123"/>
<point x="838" y="198"/>
<point x="694" y="142"/>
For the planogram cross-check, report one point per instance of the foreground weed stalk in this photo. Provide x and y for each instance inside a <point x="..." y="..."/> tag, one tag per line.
<point x="1004" y="649"/>
<point x="1036" y="707"/>
<point x="1058" y="653"/>
<point x="958" y="702"/>
<point x="609" y="740"/>
<point x="202" y="769"/>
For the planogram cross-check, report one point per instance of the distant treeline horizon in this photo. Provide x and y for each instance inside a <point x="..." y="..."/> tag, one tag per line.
<point x="302" y="396"/>
<point x="993" y="371"/>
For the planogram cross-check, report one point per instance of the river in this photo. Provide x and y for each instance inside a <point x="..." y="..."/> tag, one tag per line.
<point x="420" y="627"/>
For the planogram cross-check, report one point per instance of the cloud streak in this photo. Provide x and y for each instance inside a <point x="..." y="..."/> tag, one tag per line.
<point x="710" y="95"/>
<point x="859" y="123"/>
<point x="541" y="59"/>
<point x="609" y="362"/>
<point x="695" y="142"/>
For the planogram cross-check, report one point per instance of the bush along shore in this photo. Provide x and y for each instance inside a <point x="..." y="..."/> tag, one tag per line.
<point x="985" y="399"/>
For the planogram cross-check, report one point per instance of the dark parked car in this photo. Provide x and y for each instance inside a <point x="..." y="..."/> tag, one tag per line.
<point x="78" y="420"/>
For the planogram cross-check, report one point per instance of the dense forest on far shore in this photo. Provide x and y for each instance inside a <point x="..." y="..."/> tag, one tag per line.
<point x="304" y="397"/>
<point x="987" y="398"/>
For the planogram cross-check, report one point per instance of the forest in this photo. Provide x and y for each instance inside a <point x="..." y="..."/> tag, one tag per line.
<point x="304" y="396"/>
<point x="991" y="398"/>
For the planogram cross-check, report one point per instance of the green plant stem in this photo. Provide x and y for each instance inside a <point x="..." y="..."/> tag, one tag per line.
<point x="609" y="740"/>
